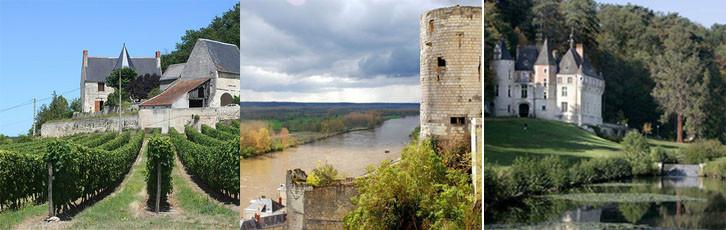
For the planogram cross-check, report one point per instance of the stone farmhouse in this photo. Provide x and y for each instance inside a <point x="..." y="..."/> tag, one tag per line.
<point x="209" y="78"/>
<point x="535" y="83"/>
<point x="450" y="71"/>
<point x="94" y="70"/>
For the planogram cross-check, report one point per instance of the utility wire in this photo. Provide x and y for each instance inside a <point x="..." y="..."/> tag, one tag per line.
<point x="30" y="102"/>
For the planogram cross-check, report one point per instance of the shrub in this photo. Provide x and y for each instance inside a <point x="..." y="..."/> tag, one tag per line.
<point x="322" y="175"/>
<point x="598" y="170"/>
<point x="715" y="168"/>
<point x="535" y="176"/>
<point x="637" y="150"/>
<point x="702" y="151"/>
<point x="160" y="152"/>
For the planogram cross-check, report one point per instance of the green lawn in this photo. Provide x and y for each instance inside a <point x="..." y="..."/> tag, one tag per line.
<point x="505" y="139"/>
<point x="9" y="219"/>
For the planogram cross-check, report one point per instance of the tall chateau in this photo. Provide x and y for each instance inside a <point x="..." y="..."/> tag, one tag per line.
<point x="451" y="93"/>
<point x="535" y="83"/>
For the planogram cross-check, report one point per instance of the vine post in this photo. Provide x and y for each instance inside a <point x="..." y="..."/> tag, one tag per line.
<point x="158" y="184"/>
<point x="51" y="209"/>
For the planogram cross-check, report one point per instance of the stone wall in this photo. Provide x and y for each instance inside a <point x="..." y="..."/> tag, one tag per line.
<point x="88" y="125"/>
<point x="450" y="66"/>
<point x="322" y="207"/>
<point x="162" y="118"/>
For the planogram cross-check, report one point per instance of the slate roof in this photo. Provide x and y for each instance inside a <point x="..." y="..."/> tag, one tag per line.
<point x="224" y="55"/>
<point x="172" y="72"/>
<point x="572" y="63"/>
<point x="171" y="94"/>
<point x="545" y="56"/>
<point x="526" y="57"/>
<point x="505" y="52"/>
<point x="100" y="67"/>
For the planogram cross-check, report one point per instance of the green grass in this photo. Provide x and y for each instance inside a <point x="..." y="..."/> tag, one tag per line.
<point x="505" y="139"/>
<point x="9" y="219"/>
<point x="667" y="145"/>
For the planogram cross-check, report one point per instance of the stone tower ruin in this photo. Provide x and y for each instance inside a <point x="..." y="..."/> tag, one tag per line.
<point x="451" y="77"/>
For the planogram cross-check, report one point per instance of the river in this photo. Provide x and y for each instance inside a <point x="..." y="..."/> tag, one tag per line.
<point x="350" y="153"/>
<point x="645" y="203"/>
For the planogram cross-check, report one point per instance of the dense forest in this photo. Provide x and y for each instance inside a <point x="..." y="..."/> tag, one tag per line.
<point x="223" y="29"/>
<point x="657" y="67"/>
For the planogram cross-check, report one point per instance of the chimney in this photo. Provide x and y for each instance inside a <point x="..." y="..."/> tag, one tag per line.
<point x="158" y="59"/>
<point x="580" y="49"/>
<point x="85" y="58"/>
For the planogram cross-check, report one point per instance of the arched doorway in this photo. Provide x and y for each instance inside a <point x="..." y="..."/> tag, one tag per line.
<point x="226" y="99"/>
<point x="523" y="110"/>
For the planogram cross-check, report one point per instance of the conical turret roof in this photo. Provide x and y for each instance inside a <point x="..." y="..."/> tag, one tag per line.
<point x="545" y="56"/>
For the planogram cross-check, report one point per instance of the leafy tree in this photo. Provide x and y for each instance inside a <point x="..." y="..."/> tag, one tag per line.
<point x="58" y="109"/>
<point x="224" y="29"/>
<point x="677" y="72"/>
<point x="113" y="99"/>
<point x="76" y="105"/>
<point x="140" y="87"/>
<point x="153" y="92"/>
<point x="126" y="75"/>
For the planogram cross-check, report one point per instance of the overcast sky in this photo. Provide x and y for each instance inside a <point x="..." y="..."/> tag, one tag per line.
<point x="332" y="51"/>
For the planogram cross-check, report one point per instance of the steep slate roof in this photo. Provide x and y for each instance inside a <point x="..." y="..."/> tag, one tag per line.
<point x="572" y="63"/>
<point x="171" y="94"/>
<point x="526" y="58"/>
<point x="545" y="56"/>
<point x="224" y="55"/>
<point x="505" y="52"/>
<point x="172" y="71"/>
<point x="100" y="67"/>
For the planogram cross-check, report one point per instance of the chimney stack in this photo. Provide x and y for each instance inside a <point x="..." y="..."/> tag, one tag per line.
<point x="580" y="49"/>
<point x="85" y="58"/>
<point x="158" y="59"/>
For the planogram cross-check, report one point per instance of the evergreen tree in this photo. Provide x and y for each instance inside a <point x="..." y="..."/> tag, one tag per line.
<point x="548" y="20"/>
<point x="580" y="17"/>
<point x="677" y="74"/>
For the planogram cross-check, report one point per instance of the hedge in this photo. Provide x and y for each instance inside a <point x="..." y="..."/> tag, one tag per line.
<point x="160" y="149"/>
<point x="217" y="166"/>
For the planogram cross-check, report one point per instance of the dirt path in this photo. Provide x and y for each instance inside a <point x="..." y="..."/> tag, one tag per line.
<point x="183" y="173"/>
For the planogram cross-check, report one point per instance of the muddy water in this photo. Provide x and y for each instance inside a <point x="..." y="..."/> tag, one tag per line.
<point x="350" y="153"/>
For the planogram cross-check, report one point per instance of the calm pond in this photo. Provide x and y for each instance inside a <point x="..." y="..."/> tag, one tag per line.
<point x="349" y="153"/>
<point x="644" y="203"/>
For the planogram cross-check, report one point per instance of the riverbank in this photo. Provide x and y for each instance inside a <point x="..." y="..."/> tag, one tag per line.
<point x="303" y="138"/>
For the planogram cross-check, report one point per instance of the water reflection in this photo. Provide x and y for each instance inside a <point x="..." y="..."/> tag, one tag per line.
<point x="350" y="153"/>
<point x="642" y="203"/>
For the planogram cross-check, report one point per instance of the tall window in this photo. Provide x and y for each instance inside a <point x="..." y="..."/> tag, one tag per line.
<point x="545" y="82"/>
<point x="101" y="87"/>
<point x="569" y="80"/>
<point x="544" y="108"/>
<point x="545" y="94"/>
<point x="496" y="90"/>
<point x="509" y="91"/>
<point x="559" y="80"/>
<point x="509" y="108"/>
<point x="564" y="91"/>
<point x="524" y="91"/>
<point x="564" y="107"/>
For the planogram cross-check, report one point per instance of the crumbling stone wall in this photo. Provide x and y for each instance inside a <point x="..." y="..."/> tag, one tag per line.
<point x="88" y="125"/>
<point x="451" y="77"/>
<point x="320" y="207"/>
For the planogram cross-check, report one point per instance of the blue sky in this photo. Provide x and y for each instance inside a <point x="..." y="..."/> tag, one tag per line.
<point x="705" y="12"/>
<point x="41" y="43"/>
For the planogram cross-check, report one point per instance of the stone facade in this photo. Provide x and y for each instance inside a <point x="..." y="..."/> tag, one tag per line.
<point x="565" y="89"/>
<point x="450" y="66"/>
